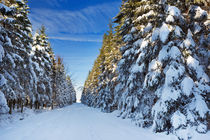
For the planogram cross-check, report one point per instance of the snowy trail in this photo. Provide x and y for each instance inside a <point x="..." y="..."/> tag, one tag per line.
<point x="77" y="122"/>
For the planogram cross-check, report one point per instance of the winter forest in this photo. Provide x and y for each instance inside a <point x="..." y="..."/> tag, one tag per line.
<point x="30" y="74"/>
<point x="154" y="66"/>
<point x="152" y="69"/>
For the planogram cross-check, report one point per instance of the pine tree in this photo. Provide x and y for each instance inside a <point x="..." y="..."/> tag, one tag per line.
<point x="27" y="65"/>
<point x="42" y="65"/>
<point x="157" y="71"/>
<point x="64" y="91"/>
<point x="17" y="47"/>
<point x="101" y="81"/>
<point x="71" y="89"/>
<point x="163" y="72"/>
<point x="5" y="43"/>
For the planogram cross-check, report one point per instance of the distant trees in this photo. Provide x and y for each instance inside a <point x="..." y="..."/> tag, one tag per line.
<point x="161" y="79"/>
<point x="27" y="63"/>
<point x="99" y="86"/>
<point x="65" y="93"/>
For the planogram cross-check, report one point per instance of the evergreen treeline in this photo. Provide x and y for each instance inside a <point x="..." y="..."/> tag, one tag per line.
<point x="154" y="66"/>
<point x="29" y="73"/>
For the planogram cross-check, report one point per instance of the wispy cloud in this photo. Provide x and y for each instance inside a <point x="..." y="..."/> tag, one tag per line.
<point x="56" y="3"/>
<point x="91" y="19"/>
<point x="78" y="39"/>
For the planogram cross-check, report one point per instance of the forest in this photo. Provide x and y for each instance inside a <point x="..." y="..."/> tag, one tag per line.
<point x="31" y="75"/>
<point x="154" y="66"/>
<point x="152" y="69"/>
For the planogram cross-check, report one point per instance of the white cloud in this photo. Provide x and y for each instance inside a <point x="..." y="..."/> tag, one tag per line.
<point x="56" y="3"/>
<point x="76" y="39"/>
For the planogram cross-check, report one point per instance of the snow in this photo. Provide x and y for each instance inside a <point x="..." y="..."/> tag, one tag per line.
<point x="9" y="42"/>
<point x="164" y="32"/>
<point x="137" y="43"/>
<point x="76" y="122"/>
<point x="189" y="40"/>
<point x="197" y="28"/>
<point x="39" y="48"/>
<point x="178" y="31"/>
<point x="174" y="53"/>
<point x="199" y="105"/>
<point x="155" y="34"/>
<point x="170" y="19"/>
<point x="17" y="57"/>
<point x="11" y="60"/>
<point x="133" y="30"/>
<point x="173" y="11"/>
<point x="154" y="64"/>
<point x="185" y="134"/>
<point x="3" y="104"/>
<point x="169" y="93"/>
<point x="136" y="68"/>
<point x="173" y="74"/>
<point x="192" y="62"/>
<point x="2" y="80"/>
<point x="1" y="53"/>
<point x="187" y="86"/>
<point x="163" y="54"/>
<point x="79" y="122"/>
<point x="178" y="119"/>
<point x="2" y="6"/>
<point x="199" y="13"/>
<point x="150" y="13"/>
<point x="148" y="28"/>
<point x="201" y="128"/>
<point x="127" y="52"/>
<point x="144" y="44"/>
<point x="128" y="38"/>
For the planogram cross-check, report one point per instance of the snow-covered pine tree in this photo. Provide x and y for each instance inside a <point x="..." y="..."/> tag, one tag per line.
<point x="107" y="79"/>
<point x="43" y="68"/>
<point x="163" y="81"/>
<point x="128" y="91"/>
<point x="71" y="89"/>
<point x="64" y="91"/>
<point x="89" y="95"/>
<point x="99" y="86"/>
<point x="4" y="43"/>
<point x="162" y="78"/>
<point x="17" y="46"/>
<point x="20" y="81"/>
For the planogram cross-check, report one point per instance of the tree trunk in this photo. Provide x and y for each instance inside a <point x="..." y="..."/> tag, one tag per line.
<point x="21" y="103"/>
<point x="14" y="102"/>
<point x="31" y="105"/>
<point x="52" y="106"/>
<point x="10" y="107"/>
<point x="18" y="103"/>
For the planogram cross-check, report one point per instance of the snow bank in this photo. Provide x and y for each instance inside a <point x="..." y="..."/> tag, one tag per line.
<point x="3" y="104"/>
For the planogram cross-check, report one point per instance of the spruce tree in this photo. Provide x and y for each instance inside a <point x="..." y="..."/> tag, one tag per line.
<point x="64" y="91"/>
<point x="163" y="73"/>
<point x="5" y="43"/>
<point x="16" y="66"/>
<point x="162" y="79"/>
<point x="42" y="65"/>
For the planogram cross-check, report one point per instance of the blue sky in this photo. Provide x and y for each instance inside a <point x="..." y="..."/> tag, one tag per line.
<point x="75" y="29"/>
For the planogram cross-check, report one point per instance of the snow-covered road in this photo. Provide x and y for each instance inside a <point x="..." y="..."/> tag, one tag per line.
<point x="77" y="122"/>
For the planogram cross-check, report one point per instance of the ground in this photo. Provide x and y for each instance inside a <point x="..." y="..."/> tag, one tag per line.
<point x="79" y="122"/>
